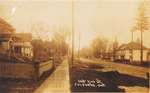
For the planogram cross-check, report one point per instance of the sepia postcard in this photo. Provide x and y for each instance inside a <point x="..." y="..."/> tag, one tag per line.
<point x="74" y="46"/>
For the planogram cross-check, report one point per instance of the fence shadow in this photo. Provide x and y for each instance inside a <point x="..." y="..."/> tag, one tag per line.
<point x="9" y="85"/>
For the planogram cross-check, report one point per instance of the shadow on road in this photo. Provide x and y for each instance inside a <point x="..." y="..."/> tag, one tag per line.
<point x="128" y="80"/>
<point x="112" y="79"/>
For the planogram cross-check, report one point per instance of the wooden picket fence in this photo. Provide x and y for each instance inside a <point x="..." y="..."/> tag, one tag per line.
<point x="24" y="70"/>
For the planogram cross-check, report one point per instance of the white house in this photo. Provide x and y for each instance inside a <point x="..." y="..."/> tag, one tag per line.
<point x="22" y="44"/>
<point x="132" y="52"/>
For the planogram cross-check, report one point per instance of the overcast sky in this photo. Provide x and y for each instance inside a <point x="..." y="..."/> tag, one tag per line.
<point x="103" y="18"/>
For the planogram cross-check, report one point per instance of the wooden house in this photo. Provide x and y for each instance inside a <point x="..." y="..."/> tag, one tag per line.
<point x="6" y="31"/>
<point x="22" y="44"/>
<point x="132" y="52"/>
<point x="15" y="54"/>
<point x="11" y="43"/>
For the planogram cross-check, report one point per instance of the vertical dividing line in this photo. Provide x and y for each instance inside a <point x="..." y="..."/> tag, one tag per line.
<point x="141" y="46"/>
<point x="72" y="57"/>
<point x="132" y="36"/>
<point x="132" y="49"/>
<point x="79" y="46"/>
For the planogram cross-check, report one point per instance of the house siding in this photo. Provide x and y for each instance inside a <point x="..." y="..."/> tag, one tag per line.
<point x="4" y="46"/>
<point x="136" y="55"/>
<point x="127" y="54"/>
<point x="148" y="57"/>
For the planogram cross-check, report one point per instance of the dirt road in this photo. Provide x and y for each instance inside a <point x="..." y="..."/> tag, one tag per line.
<point x="122" y="76"/>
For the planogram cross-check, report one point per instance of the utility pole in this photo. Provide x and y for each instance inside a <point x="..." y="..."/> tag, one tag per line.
<point x="132" y="30"/>
<point x="141" y="46"/>
<point x="72" y="57"/>
<point x="115" y="46"/>
<point x="132" y="36"/>
<point x="79" y="45"/>
<point x="142" y="23"/>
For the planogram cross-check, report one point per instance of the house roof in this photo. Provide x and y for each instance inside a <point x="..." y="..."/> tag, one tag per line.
<point x="131" y="45"/>
<point x="5" y="28"/>
<point x="22" y="37"/>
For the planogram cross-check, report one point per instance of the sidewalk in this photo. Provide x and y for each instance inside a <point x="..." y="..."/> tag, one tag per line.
<point x="58" y="82"/>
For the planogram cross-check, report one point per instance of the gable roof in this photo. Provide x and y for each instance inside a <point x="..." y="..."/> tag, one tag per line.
<point x="131" y="45"/>
<point x="22" y="37"/>
<point x="5" y="28"/>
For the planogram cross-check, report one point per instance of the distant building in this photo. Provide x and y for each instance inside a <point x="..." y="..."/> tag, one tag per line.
<point x="132" y="52"/>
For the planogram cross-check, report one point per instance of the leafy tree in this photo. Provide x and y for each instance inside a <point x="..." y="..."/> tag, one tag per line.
<point x="142" y="22"/>
<point x="142" y="18"/>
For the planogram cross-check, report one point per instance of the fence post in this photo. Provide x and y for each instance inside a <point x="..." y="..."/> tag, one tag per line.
<point x="36" y="71"/>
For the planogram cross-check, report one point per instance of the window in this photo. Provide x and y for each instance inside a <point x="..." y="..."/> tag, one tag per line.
<point x="17" y="49"/>
<point x="130" y="51"/>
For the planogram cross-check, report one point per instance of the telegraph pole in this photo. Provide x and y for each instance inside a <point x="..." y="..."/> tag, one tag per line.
<point x="141" y="46"/>
<point x="132" y="36"/>
<point x="79" y="45"/>
<point x="132" y="31"/>
<point x="72" y="57"/>
<point x="142" y="23"/>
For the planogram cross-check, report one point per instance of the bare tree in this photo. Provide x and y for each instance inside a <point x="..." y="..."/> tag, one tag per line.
<point x="99" y="46"/>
